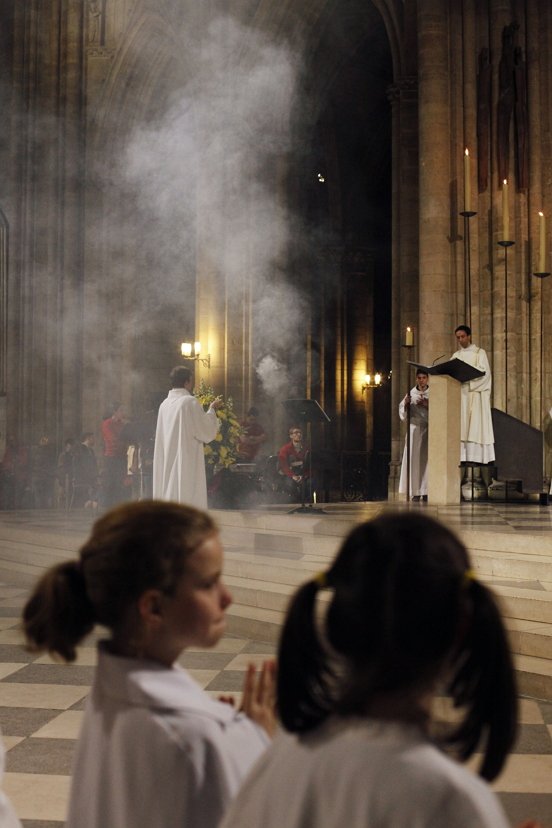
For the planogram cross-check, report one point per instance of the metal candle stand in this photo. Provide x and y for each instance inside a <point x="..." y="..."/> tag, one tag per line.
<point x="541" y="276"/>
<point x="467" y="214"/>
<point x="506" y="245"/>
<point x="408" y="347"/>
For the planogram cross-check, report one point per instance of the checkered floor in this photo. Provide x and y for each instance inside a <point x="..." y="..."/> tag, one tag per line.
<point x="41" y="701"/>
<point x="41" y="705"/>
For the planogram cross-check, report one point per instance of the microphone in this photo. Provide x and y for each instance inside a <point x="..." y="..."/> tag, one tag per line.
<point x="439" y="357"/>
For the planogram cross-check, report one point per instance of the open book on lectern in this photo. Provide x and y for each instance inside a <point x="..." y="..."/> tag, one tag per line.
<point x="455" y="368"/>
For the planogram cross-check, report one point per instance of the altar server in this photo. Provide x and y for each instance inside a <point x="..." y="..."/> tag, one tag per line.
<point x="154" y="748"/>
<point x="405" y="618"/>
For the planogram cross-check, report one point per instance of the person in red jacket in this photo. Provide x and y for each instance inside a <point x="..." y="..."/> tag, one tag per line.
<point x="292" y="463"/>
<point x="114" y="470"/>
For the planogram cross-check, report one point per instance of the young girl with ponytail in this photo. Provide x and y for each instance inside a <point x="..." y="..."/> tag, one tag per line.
<point x="154" y="748"/>
<point x="407" y="619"/>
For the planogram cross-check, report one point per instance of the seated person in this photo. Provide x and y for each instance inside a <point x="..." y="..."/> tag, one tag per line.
<point x="292" y="463"/>
<point x="253" y="436"/>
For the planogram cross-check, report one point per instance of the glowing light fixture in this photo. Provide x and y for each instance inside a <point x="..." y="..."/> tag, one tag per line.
<point x="374" y="380"/>
<point x="186" y="351"/>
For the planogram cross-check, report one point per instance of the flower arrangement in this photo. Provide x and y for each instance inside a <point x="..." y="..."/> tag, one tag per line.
<point x="223" y="450"/>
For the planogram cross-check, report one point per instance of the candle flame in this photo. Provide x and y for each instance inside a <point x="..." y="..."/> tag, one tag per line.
<point x="541" y="214"/>
<point x="505" y="181"/>
<point x="466" y="151"/>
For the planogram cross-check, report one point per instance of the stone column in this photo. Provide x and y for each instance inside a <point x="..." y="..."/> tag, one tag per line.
<point x="436" y="302"/>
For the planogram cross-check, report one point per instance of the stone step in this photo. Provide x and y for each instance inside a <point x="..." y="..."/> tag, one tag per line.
<point x="529" y="638"/>
<point x="268" y="555"/>
<point x="525" y="604"/>
<point x="513" y="565"/>
<point x="534" y="676"/>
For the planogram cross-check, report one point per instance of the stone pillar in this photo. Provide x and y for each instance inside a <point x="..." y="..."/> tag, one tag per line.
<point x="45" y="210"/>
<point x="436" y="302"/>
<point x="403" y="96"/>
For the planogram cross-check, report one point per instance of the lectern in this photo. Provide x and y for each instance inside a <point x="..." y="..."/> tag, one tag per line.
<point x="444" y="428"/>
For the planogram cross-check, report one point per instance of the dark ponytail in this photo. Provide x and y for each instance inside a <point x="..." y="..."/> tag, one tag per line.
<point x="58" y="615"/>
<point x="305" y="676"/>
<point x="485" y="685"/>
<point x="405" y="612"/>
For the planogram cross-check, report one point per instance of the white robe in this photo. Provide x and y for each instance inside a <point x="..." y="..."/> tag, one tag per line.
<point x="362" y="773"/>
<point x="156" y="750"/>
<point x="418" y="444"/>
<point x="476" y="424"/>
<point x="183" y="427"/>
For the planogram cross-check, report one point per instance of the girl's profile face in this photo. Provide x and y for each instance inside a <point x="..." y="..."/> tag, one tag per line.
<point x="195" y="614"/>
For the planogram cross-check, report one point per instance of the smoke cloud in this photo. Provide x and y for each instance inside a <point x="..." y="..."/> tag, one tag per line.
<point x="207" y="170"/>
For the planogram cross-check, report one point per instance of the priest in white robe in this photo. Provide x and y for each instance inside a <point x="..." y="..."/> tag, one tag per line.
<point x="476" y="425"/>
<point x="418" y="402"/>
<point x="183" y="428"/>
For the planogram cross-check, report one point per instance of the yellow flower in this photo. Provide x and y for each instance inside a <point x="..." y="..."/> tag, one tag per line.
<point x="218" y="438"/>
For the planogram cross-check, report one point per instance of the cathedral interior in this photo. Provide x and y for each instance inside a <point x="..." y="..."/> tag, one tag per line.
<point x="286" y="184"/>
<point x="315" y="191"/>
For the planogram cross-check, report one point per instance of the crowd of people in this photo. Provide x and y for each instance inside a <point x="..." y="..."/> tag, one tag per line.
<point x="41" y="477"/>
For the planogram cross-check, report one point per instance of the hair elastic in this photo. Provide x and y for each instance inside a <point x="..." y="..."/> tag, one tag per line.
<point x="321" y="579"/>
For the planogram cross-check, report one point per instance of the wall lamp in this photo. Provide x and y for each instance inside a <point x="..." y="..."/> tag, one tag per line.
<point x="193" y="353"/>
<point x="374" y="380"/>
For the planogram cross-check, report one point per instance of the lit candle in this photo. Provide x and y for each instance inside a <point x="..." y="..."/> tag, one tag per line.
<point x="505" y="212"/>
<point x="186" y="349"/>
<point x="542" y="243"/>
<point x="197" y="348"/>
<point x="409" y="338"/>
<point x="467" y="185"/>
<point x="314" y="497"/>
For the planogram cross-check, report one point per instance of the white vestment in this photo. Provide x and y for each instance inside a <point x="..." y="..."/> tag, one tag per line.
<point x="418" y="444"/>
<point x="156" y="750"/>
<point x="476" y="424"/>
<point x="348" y="774"/>
<point x="178" y="459"/>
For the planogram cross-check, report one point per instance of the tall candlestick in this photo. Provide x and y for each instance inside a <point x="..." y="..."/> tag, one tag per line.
<point x="505" y="212"/>
<point x="467" y="184"/>
<point x="542" y="243"/>
<point x="409" y="338"/>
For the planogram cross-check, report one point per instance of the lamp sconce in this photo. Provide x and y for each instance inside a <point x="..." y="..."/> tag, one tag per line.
<point x="193" y="353"/>
<point x="373" y="380"/>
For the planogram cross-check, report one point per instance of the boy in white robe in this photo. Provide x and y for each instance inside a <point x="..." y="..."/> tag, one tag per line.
<point x="418" y="402"/>
<point x="476" y="424"/>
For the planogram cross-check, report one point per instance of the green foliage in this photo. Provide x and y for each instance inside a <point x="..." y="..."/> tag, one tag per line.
<point x="223" y="450"/>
